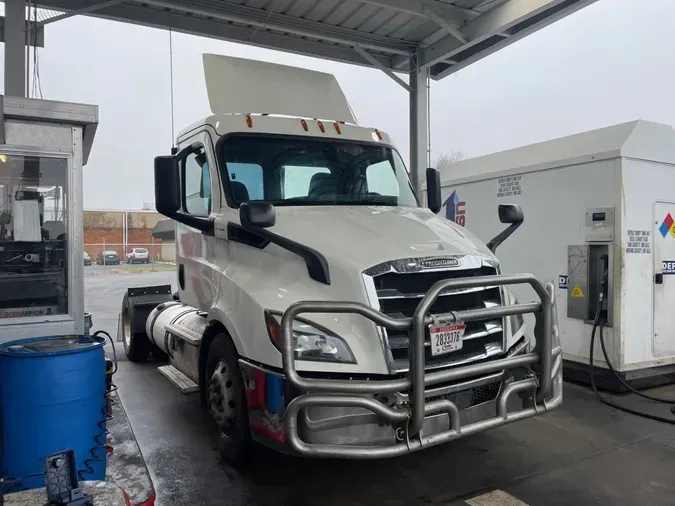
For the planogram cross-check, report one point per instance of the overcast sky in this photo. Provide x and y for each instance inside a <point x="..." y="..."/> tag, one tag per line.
<point x="608" y="63"/>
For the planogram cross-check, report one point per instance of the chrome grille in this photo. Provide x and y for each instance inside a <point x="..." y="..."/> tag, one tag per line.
<point x="399" y="294"/>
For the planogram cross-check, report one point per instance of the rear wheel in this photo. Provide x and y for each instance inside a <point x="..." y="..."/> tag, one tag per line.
<point x="227" y="401"/>
<point x="136" y="345"/>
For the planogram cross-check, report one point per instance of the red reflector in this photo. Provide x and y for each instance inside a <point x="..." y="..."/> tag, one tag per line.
<point x="337" y="128"/>
<point x="249" y="120"/>
<point x="379" y="134"/>
<point x="304" y="125"/>
<point x="322" y="128"/>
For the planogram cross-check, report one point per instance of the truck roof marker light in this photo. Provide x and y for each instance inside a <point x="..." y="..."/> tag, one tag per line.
<point x="337" y="128"/>
<point x="304" y="125"/>
<point x="249" y="121"/>
<point x="378" y="133"/>
<point x="322" y="128"/>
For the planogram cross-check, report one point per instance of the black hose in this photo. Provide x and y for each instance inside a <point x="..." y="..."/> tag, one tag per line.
<point x="11" y="483"/>
<point x="597" y="323"/>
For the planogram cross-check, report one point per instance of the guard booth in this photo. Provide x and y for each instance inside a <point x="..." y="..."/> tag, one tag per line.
<point x="43" y="148"/>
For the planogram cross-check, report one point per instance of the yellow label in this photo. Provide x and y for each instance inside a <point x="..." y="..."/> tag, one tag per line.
<point x="576" y="291"/>
<point x="3" y="158"/>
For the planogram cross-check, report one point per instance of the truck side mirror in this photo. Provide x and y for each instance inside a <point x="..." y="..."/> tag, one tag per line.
<point x="434" y="190"/>
<point x="168" y="195"/>
<point x="257" y="214"/>
<point x="167" y="185"/>
<point x="511" y="214"/>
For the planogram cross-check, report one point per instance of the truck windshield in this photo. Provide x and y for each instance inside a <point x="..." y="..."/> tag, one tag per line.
<point x="285" y="170"/>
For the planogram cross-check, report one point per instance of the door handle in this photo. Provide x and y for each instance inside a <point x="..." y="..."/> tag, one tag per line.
<point x="658" y="278"/>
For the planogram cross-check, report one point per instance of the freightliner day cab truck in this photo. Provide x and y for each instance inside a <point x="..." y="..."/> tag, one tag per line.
<point x="320" y="309"/>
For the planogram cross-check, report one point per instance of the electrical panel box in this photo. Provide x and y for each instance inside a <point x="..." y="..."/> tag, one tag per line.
<point x="600" y="224"/>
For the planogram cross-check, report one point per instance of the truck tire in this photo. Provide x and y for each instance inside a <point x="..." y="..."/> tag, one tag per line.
<point x="226" y="401"/>
<point x="136" y="344"/>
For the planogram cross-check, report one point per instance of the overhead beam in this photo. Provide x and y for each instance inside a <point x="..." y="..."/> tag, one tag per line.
<point x="373" y="61"/>
<point x="76" y="12"/>
<point x="445" y="24"/>
<point x="416" y="7"/>
<point x="193" y="25"/>
<point x="287" y="24"/>
<point x="37" y="40"/>
<point x="502" y="19"/>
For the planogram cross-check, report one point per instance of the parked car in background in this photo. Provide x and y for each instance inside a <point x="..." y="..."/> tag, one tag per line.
<point x="87" y="259"/>
<point x="108" y="258"/>
<point x="140" y="255"/>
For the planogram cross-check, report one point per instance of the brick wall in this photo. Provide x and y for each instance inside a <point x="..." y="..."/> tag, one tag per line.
<point x="103" y="230"/>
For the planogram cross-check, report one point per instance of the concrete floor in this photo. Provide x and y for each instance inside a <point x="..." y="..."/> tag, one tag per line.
<point x="585" y="453"/>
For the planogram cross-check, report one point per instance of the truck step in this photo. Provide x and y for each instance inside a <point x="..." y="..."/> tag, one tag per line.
<point x="180" y="380"/>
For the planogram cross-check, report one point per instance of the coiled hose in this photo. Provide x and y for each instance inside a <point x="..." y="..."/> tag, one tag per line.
<point x="101" y="438"/>
<point x="597" y="322"/>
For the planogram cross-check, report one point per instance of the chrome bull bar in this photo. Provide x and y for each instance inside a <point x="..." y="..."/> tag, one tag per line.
<point x="545" y="360"/>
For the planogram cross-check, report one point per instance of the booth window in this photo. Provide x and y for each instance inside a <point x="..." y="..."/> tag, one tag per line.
<point x="33" y="236"/>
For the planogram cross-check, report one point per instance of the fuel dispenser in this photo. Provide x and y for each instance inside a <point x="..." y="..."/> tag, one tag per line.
<point x="590" y="298"/>
<point x="588" y="265"/>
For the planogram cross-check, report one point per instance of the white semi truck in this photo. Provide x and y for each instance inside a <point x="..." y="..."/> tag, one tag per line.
<point x="320" y="308"/>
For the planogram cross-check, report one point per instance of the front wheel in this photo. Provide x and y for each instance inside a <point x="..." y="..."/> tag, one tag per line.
<point x="227" y="401"/>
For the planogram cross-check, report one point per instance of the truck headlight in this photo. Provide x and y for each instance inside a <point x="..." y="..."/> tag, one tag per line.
<point x="310" y="342"/>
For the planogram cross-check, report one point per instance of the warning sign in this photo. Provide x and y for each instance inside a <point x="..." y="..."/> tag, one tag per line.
<point x="638" y="241"/>
<point x="576" y="292"/>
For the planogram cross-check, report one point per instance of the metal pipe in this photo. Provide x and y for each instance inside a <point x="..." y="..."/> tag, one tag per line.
<point x="446" y="406"/>
<point x="470" y="315"/>
<point x="369" y="452"/>
<point x="516" y="386"/>
<point x="417" y="380"/>
<point x="419" y="323"/>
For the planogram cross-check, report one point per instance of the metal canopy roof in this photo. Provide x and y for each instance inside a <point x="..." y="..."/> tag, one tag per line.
<point x="440" y="35"/>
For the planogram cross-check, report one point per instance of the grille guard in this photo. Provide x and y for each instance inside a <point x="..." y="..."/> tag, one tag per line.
<point x="545" y="361"/>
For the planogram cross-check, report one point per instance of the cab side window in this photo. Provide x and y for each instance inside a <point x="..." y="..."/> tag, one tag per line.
<point x="196" y="184"/>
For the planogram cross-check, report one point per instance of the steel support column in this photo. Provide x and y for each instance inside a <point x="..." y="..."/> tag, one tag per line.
<point x="419" y="97"/>
<point x="15" y="48"/>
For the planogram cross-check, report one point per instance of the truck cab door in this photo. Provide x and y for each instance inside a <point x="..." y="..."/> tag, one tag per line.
<point x="197" y="253"/>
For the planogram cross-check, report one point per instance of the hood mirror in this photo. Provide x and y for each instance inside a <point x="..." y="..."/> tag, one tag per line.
<point x="511" y="214"/>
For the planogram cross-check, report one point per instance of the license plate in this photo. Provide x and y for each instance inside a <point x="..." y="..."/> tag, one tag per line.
<point x="446" y="338"/>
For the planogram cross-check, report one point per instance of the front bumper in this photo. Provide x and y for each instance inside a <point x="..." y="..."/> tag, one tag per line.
<point x="374" y="419"/>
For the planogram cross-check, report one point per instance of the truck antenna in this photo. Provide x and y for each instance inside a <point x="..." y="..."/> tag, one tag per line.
<point x="174" y="149"/>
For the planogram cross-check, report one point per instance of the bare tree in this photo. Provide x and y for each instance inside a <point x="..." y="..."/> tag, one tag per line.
<point x="448" y="158"/>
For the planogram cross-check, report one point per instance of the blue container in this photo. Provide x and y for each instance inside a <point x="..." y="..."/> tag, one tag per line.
<point x="52" y="398"/>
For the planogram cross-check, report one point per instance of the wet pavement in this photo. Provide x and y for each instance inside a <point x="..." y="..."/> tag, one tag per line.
<point x="584" y="453"/>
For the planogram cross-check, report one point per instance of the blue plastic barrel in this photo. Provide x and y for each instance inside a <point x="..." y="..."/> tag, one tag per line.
<point x="52" y="398"/>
